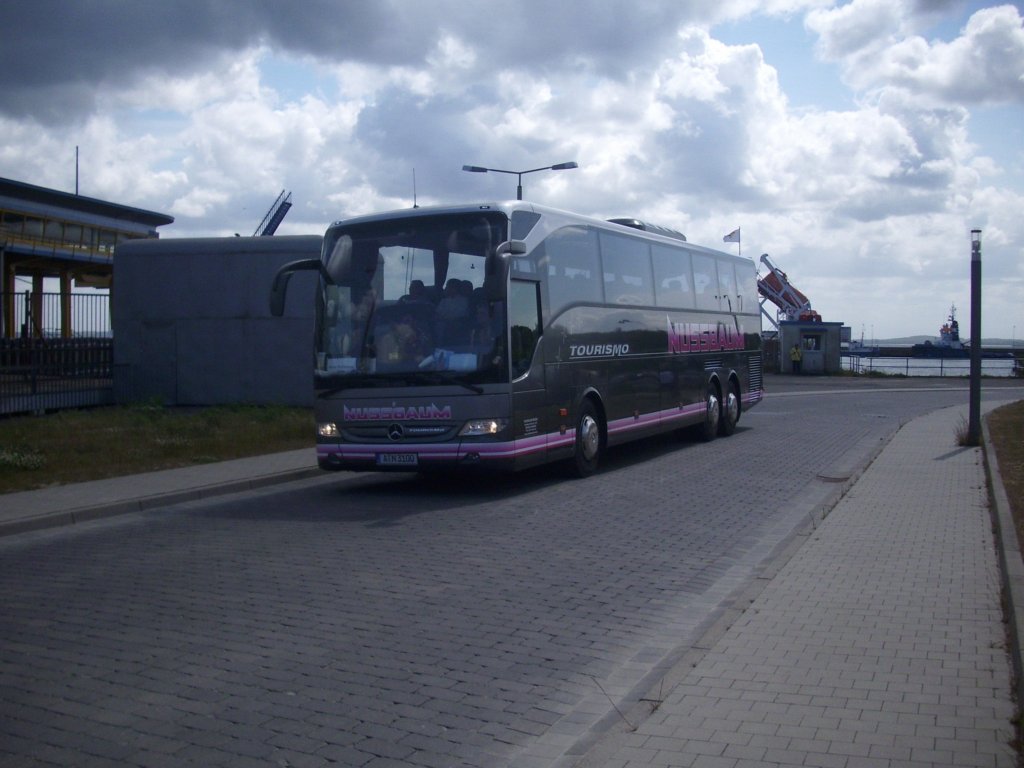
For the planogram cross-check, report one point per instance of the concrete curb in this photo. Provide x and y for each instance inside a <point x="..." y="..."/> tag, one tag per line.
<point x="152" y="501"/>
<point x="1011" y="562"/>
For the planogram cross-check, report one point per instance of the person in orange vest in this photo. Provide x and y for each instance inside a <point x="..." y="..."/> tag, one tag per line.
<point x="796" y="357"/>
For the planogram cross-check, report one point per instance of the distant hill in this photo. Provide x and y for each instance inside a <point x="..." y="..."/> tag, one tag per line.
<point x="909" y="341"/>
<point x="906" y="341"/>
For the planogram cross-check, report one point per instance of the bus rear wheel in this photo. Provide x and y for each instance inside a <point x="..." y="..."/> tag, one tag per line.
<point x="712" y="414"/>
<point x="587" y="454"/>
<point x="730" y="411"/>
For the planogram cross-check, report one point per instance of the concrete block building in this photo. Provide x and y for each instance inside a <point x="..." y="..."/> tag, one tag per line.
<point x="192" y="323"/>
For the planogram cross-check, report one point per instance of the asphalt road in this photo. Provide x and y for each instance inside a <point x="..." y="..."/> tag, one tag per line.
<point x="391" y="620"/>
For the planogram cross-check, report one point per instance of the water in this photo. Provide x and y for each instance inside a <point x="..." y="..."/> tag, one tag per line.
<point x="927" y="366"/>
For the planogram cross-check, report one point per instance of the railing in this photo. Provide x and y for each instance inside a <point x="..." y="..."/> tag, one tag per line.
<point x="55" y="353"/>
<point x="41" y="245"/>
<point x="48" y="374"/>
<point x="50" y="315"/>
<point x="275" y="215"/>
<point x="929" y="366"/>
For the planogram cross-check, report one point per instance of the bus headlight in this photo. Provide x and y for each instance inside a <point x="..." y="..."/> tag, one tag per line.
<point x="327" y="429"/>
<point x="481" y="427"/>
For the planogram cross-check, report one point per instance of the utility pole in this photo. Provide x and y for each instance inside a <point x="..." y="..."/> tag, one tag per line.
<point x="974" y="417"/>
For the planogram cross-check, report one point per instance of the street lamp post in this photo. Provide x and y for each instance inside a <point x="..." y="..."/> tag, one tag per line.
<point x="974" y="406"/>
<point x="520" y="174"/>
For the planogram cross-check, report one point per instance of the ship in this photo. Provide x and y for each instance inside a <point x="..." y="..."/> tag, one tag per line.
<point x="860" y="349"/>
<point x="948" y="345"/>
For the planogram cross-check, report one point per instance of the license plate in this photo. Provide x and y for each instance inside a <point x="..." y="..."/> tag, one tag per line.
<point x="397" y="460"/>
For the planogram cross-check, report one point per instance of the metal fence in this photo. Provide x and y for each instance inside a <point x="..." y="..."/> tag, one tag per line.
<point x="52" y="315"/>
<point x="930" y="366"/>
<point x="55" y="352"/>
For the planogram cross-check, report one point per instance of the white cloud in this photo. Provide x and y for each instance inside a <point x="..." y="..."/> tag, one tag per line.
<point x="874" y="42"/>
<point x="30" y="152"/>
<point x="229" y="77"/>
<point x="451" y="52"/>
<point x="984" y="65"/>
<point x="849" y="31"/>
<point x="197" y="202"/>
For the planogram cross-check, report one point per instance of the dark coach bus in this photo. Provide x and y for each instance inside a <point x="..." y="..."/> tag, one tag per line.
<point x="507" y="335"/>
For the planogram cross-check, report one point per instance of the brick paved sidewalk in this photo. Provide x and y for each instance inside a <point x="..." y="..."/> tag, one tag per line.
<point x="880" y="643"/>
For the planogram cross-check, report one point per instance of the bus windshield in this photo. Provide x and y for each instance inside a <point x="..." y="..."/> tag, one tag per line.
<point x="407" y="302"/>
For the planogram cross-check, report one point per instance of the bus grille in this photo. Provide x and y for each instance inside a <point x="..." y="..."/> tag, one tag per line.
<point x="756" y="379"/>
<point x="405" y="433"/>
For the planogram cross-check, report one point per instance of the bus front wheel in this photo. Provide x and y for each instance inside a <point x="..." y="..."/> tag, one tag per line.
<point x="588" y="440"/>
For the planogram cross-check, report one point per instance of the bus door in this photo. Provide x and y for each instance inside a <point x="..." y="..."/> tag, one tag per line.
<point x="703" y="359"/>
<point x="630" y="374"/>
<point x="530" y="400"/>
<point x="621" y="356"/>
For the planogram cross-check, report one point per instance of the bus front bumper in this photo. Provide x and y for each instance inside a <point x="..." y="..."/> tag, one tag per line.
<point x="417" y="457"/>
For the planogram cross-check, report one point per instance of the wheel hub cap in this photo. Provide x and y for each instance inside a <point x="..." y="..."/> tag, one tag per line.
<point x="589" y="437"/>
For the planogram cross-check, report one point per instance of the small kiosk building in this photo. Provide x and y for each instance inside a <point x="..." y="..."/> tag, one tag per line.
<point x="819" y="342"/>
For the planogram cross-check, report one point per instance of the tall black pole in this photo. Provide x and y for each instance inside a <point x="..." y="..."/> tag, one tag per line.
<point x="974" y="418"/>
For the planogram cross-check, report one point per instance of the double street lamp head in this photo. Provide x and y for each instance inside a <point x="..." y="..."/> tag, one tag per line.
<point x="519" y="188"/>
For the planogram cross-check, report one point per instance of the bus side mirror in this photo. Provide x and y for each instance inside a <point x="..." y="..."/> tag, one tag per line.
<point x="512" y="247"/>
<point x="496" y="274"/>
<point x="279" y="288"/>
<point x="339" y="261"/>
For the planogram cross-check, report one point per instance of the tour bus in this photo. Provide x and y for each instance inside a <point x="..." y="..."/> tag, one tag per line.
<point x="507" y="335"/>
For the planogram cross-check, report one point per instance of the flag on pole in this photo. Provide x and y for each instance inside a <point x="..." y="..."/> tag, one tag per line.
<point x="732" y="237"/>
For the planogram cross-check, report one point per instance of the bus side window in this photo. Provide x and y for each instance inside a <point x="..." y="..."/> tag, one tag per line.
<point x="574" y="271"/>
<point x="627" y="270"/>
<point x="705" y="281"/>
<point x="673" y="277"/>
<point x="525" y="320"/>
<point x="746" y="277"/>
<point x="729" y="300"/>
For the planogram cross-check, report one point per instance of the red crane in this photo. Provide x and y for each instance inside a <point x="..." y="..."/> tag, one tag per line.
<point x="791" y="303"/>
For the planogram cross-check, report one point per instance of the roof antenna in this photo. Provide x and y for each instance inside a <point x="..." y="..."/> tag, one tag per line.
<point x="414" y="204"/>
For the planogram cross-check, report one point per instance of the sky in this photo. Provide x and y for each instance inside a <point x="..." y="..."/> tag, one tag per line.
<point x="856" y="142"/>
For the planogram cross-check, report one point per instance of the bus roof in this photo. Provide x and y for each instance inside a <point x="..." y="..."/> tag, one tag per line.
<point x="508" y="207"/>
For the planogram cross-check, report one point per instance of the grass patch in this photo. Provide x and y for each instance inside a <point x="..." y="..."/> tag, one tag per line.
<point x="1006" y="428"/>
<point x="73" y="446"/>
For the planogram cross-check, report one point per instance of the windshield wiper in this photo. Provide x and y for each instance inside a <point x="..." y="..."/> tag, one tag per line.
<point x="409" y="378"/>
<point x="350" y="381"/>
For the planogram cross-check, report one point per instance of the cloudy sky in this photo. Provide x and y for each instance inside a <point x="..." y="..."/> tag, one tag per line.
<point x="857" y="142"/>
